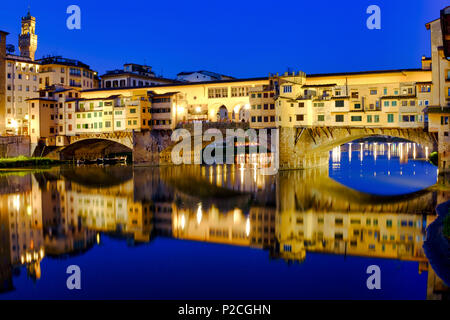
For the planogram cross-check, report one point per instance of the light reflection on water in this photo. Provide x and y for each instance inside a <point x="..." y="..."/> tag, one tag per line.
<point x="383" y="168"/>
<point x="303" y="234"/>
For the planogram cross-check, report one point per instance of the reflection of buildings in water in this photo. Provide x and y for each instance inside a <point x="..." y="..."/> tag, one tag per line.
<point x="163" y="218"/>
<point x="231" y="177"/>
<point x="109" y="209"/>
<point x="23" y="228"/>
<point x="263" y="223"/>
<point x="210" y="225"/>
<point x="436" y="288"/>
<point x="6" y="283"/>
<point x="63" y="231"/>
<point x="315" y="214"/>
<point x="319" y="215"/>
<point x="364" y="234"/>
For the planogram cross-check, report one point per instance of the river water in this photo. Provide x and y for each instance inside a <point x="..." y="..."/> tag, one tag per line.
<point x="223" y="232"/>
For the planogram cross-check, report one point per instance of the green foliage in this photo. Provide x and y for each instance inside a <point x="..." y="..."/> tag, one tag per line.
<point x="434" y="158"/>
<point x="22" y="161"/>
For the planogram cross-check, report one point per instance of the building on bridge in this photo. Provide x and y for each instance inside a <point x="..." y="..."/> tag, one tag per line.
<point x="391" y="98"/>
<point x="201" y="76"/>
<point x="60" y="113"/>
<point x="66" y="72"/>
<point x="52" y="115"/>
<point x="132" y="75"/>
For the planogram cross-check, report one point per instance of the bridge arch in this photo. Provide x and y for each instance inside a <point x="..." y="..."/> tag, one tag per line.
<point x="303" y="147"/>
<point x="93" y="148"/>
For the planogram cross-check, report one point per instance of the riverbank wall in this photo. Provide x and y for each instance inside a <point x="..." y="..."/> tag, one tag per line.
<point x="14" y="146"/>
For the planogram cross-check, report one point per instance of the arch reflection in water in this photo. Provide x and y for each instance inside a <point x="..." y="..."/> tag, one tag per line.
<point x="384" y="168"/>
<point x="65" y="212"/>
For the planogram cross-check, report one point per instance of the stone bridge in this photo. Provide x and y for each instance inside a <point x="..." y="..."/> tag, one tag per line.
<point x="299" y="148"/>
<point x="145" y="146"/>
<point x="303" y="148"/>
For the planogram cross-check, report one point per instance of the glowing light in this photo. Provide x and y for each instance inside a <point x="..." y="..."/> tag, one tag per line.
<point x="247" y="227"/>
<point x="247" y="107"/>
<point x="361" y="152"/>
<point x="180" y="109"/>
<point x="389" y="151"/>
<point x="237" y="215"/>
<point x="414" y="151"/>
<point x="29" y="210"/>
<point x="236" y="108"/>
<point x="199" y="213"/>
<point x="182" y="221"/>
<point x="350" y="152"/>
<point x="426" y="152"/>
<point x="375" y="151"/>
<point x="198" y="109"/>
<point x="16" y="202"/>
<point x="336" y="154"/>
<point x="98" y="238"/>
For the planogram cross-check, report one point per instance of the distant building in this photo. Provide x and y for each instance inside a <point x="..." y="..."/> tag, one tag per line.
<point x="22" y="81"/>
<point x="28" y="37"/>
<point x="132" y="75"/>
<point x="439" y="111"/>
<point x="19" y="76"/>
<point x="66" y="72"/>
<point x="201" y="76"/>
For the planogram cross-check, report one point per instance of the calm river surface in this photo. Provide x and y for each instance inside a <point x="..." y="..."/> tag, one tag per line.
<point x="222" y="231"/>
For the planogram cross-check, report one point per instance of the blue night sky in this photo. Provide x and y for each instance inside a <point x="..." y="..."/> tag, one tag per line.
<point x="239" y="38"/>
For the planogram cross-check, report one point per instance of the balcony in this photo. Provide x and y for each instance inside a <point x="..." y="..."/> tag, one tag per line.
<point x="322" y="98"/>
<point x="46" y="70"/>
